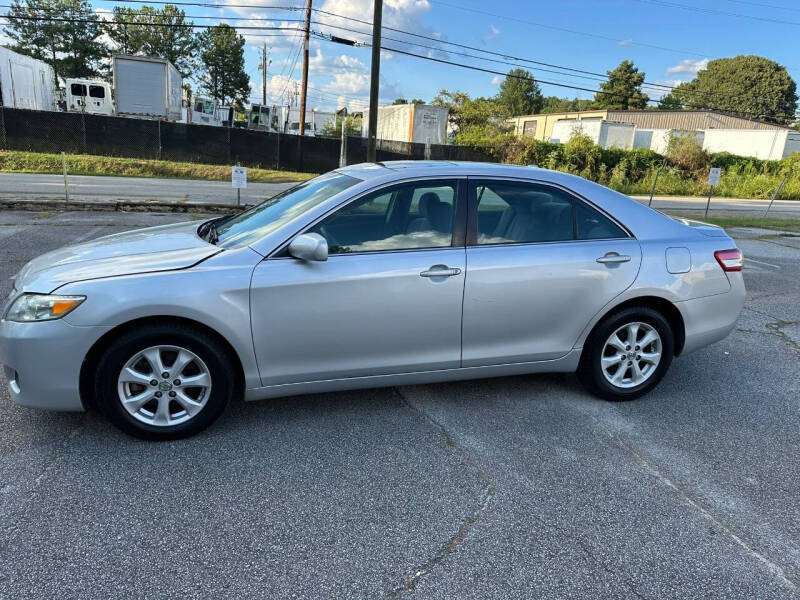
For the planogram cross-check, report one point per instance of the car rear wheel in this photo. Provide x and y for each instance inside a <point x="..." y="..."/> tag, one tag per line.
<point x="164" y="381"/>
<point x="627" y="355"/>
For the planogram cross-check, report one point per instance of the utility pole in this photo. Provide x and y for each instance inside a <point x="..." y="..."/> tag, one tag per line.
<point x="372" y="133"/>
<point x="305" y="69"/>
<point x="263" y="68"/>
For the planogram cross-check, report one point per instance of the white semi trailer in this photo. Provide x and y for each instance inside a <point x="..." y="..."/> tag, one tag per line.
<point x="418" y="123"/>
<point x="147" y="87"/>
<point x="25" y="82"/>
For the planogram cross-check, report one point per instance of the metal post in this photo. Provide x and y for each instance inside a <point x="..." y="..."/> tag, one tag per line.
<point x="343" y="146"/>
<point x="3" y="126"/>
<point x="775" y="195"/>
<point x="708" y="203"/>
<point x="372" y="131"/>
<point x="653" y="191"/>
<point x="427" y="150"/>
<point x="66" y="184"/>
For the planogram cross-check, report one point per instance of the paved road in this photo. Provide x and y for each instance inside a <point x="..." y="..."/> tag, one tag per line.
<point x="522" y="487"/>
<point x="21" y="186"/>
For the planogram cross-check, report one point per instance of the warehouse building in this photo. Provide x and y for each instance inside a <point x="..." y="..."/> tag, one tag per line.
<point x="541" y="126"/>
<point x="716" y="131"/>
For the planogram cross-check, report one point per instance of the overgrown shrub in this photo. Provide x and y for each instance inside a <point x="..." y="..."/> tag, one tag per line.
<point x="685" y="152"/>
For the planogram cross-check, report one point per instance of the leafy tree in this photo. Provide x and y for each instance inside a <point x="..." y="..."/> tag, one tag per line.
<point x="70" y="47"/>
<point x="223" y="76"/>
<point x="352" y="126"/>
<point x="554" y="104"/>
<point x="162" y="32"/>
<point x="474" y="120"/>
<point x="670" y="102"/>
<point x="404" y="101"/>
<point x="623" y="90"/>
<point x="751" y="86"/>
<point x="519" y="93"/>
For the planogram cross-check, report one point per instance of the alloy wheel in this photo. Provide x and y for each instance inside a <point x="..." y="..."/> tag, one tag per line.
<point x="164" y="385"/>
<point x="631" y="355"/>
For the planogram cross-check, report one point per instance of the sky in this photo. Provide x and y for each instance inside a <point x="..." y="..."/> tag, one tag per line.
<point x="667" y="39"/>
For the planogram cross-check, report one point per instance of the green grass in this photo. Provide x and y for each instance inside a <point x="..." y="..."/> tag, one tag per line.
<point x="85" y="164"/>
<point x="787" y="224"/>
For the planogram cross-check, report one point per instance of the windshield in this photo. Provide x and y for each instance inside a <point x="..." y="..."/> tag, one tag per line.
<point x="259" y="221"/>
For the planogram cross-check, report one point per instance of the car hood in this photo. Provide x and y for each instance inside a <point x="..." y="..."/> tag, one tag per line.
<point x="161" y="248"/>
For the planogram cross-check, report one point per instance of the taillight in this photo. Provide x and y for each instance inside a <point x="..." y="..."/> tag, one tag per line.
<point x="730" y="260"/>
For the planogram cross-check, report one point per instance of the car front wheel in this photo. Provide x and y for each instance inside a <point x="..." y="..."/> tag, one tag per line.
<point x="627" y="354"/>
<point x="164" y="381"/>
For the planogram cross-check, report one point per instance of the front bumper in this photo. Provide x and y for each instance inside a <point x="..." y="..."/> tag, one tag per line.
<point x="42" y="362"/>
<point x="711" y="318"/>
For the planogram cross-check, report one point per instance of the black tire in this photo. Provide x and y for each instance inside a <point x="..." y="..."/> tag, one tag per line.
<point x="213" y="353"/>
<point x="590" y="371"/>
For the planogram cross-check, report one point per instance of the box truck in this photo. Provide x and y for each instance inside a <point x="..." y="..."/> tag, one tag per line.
<point x="147" y="87"/>
<point x="419" y="123"/>
<point x="25" y="82"/>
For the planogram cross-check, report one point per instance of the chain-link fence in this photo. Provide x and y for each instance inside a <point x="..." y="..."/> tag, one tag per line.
<point x="78" y="133"/>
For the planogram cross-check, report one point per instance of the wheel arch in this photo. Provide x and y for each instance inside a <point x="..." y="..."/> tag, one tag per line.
<point x="657" y="303"/>
<point x="90" y="361"/>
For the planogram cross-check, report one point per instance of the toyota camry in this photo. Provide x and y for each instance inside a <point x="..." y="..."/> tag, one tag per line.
<point x="372" y="275"/>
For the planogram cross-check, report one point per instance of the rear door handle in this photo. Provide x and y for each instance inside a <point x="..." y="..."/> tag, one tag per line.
<point x="441" y="272"/>
<point x="614" y="257"/>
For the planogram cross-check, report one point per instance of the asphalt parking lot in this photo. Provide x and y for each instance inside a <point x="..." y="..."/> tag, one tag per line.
<point x="524" y="487"/>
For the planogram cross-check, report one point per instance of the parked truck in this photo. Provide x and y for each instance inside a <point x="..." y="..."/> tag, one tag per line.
<point x="25" y="82"/>
<point x="419" y="123"/>
<point x="147" y="87"/>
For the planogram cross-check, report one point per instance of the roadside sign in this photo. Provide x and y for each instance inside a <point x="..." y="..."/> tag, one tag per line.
<point x="713" y="176"/>
<point x="239" y="177"/>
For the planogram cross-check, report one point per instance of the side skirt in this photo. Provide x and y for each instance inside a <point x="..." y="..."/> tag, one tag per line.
<point x="565" y="364"/>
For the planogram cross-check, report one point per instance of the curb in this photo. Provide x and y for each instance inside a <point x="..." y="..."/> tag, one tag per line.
<point x="61" y="206"/>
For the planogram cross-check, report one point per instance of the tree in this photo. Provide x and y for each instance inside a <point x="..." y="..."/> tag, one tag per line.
<point x="473" y="119"/>
<point x="623" y="90"/>
<point x="751" y="86"/>
<point x="70" y="47"/>
<point x="404" y="101"/>
<point x="162" y="32"/>
<point x="352" y="126"/>
<point x="519" y="93"/>
<point x="554" y="104"/>
<point x="670" y="102"/>
<point x="223" y="76"/>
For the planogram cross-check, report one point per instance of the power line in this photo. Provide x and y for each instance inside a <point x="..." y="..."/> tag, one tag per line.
<point x="715" y="11"/>
<point x="558" y="84"/>
<point x="566" y="30"/>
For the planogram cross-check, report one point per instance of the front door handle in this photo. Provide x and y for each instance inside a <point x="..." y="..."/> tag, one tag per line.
<point x="441" y="271"/>
<point x="614" y="257"/>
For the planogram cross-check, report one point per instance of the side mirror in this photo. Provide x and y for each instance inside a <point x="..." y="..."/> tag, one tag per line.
<point x="309" y="246"/>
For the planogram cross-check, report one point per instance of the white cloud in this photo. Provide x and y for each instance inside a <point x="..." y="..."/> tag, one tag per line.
<point x="625" y="43"/>
<point x="493" y="33"/>
<point x="406" y="15"/>
<point x="688" y="66"/>
<point x="497" y="80"/>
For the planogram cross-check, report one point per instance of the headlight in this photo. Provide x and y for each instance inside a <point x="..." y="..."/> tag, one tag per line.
<point x="42" y="307"/>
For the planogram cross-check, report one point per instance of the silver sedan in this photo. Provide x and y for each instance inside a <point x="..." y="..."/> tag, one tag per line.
<point x="371" y="275"/>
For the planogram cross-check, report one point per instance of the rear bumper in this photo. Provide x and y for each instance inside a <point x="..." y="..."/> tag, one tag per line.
<point x="711" y="318"/>
<point x="42" y="362"/>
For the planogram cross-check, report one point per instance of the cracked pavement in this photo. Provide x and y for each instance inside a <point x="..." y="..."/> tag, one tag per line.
<point x="522" y="487"/>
